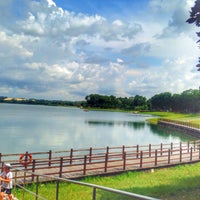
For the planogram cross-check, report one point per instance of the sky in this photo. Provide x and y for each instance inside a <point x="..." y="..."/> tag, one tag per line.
<point x="68" y="49"/>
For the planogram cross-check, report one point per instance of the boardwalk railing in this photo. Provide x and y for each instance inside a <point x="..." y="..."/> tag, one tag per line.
<point x="183" y="123"/>
<point x="109" y="160"/>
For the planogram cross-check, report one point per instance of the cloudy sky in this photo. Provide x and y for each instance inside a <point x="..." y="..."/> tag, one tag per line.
<point x="67" y="49"/>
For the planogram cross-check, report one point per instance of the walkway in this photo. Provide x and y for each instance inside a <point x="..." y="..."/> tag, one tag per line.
<point x="103" y="161"/>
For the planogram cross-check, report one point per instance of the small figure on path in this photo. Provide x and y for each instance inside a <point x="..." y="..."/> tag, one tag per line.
<point x="6" y="178"/>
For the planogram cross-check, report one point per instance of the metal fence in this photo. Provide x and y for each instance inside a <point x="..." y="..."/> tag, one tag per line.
<point x="57" y="180"/>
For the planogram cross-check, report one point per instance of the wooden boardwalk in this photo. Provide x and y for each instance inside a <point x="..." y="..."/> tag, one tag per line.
<point x="74" y="164"/>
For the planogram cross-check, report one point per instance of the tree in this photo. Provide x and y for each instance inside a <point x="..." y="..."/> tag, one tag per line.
<point x="161" y="101"/>
<point x="177" y="103"/>
<point x="140" y="103"/>
<point x="191" y="100"/>
<point x="195" y="18"/>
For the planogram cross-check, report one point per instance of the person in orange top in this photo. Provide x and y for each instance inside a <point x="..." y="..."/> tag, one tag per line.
<point x="6" y="178"/>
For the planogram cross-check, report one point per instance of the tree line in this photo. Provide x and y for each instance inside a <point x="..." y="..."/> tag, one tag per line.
<point x="188" y="101"/>
<point x="4" y="99"/>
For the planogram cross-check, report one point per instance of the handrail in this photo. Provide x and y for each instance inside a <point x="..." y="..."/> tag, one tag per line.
<point x="111" y="162"/>
<point x="94" y="186"/>
<point x="182" y="123"/>
<point x="77" y="152"/>
<point x="38" y="196"/>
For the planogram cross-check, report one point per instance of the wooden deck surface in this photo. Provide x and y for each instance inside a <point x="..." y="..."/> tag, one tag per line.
<point x="109" y="163"/>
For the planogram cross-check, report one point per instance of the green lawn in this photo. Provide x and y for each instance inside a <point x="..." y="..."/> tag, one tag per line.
<point x="193" y="118"/>
<point x="180" y="182"/>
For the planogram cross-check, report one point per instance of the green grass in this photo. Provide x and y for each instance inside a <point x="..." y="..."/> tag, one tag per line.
<point x="180" y="182"/>
<point x="193" y="118"/>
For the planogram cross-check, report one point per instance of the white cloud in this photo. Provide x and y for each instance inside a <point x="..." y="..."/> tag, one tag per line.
<point x="11" y="46"/>
<point x="119" y="60"/>
<point x="49" y="52"/>
<point x="51" y="3"/>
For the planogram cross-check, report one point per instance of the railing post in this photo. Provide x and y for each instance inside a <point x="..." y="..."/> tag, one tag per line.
<point x="107" y="150"/>
<point x="2" y="164"/>
<point x="188" y="146"/>
<point x="106" y="162"/>
<point x="191" y="154"/>
<point x="50" y="157"/>
<point x="15" y="179"/>
<point x="37" y="186"/>
<point x="0" y="157"/>
<point x="61" y="167"/>
<point x="156" y="159"/>
<point x="149" y="150"/>
<point x="26" y="159"/>
<point x="71" y="156"/>
<point x="141" y="158"/>
<point x="169" y="156"/>
<point x="60" y="175"/>
<point x="171" y="148"/>
<point x="94" y="194"/>
<point x="137" y="151"/>
<point x="57" y="189"/>
<point x="161" y="149"/>
<point x="180" y="155"/>
<point x="90" y="159"/>
<point x="85" y="163"/>
<point x="33" y="170"/>
<point x="124" y="163"/>
<point x="123" y="150"/>
<point x="199" y="152"/>
<point x="24" y="185"/>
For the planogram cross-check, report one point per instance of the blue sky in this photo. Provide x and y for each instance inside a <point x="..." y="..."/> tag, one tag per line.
<point x="106" y="8"/>
<point x="67" y="49"/>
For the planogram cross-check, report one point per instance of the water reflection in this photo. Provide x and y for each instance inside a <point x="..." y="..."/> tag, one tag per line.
<point x="43" y="128"/>
<point x="130" y="124"/>
<point x="169" y="132"/>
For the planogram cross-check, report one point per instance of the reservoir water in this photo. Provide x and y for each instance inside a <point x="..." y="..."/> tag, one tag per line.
<point x="43" y="128"/>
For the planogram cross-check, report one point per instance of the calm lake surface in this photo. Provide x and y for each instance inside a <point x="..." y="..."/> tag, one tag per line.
<point x="43" y="128"/>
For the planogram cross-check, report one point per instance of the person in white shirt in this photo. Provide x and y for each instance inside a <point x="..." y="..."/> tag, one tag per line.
<point x="6" y="178"/>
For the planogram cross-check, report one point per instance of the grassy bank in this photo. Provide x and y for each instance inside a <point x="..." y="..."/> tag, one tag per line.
<point x="193" y="118"/>
<point x="180" y="183"/>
